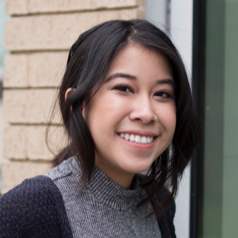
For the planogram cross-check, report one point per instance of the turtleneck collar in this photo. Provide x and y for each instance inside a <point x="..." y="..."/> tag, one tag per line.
<point x="113" y="195"/>
<point x="109" y="192"/>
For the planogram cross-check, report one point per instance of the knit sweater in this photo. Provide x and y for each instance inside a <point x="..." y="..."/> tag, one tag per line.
<point x="103" y="208"/>
<point x="36" y="208"/>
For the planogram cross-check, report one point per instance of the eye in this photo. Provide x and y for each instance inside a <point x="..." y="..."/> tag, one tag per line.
<point x="123" y="88"/>
<point x="163" y="94"/>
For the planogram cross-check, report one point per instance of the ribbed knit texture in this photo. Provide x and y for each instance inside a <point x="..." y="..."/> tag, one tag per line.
<point x="103" y="208"/>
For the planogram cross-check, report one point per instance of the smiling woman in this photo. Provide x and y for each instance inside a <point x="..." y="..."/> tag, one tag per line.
<point x="137" y="102"/>
<point x="127" y="108"/>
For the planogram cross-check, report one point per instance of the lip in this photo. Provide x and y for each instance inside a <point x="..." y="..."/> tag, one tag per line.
<point x="138" y="146"/>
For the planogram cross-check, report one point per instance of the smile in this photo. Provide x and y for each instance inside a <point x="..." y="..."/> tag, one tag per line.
<point x="136" y="138"/>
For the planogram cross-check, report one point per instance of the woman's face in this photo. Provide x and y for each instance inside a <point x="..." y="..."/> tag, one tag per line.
<point x="132" y="117"/>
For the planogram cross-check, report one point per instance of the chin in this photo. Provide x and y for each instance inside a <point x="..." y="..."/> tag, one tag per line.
<point x="139" y="169"/>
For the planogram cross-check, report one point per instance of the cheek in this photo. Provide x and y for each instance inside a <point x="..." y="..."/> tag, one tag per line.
<point x="172" y="118"/>
<point x="102" y="113"/>
<point x="107" y="106"/>
<point x="167" y="115"/>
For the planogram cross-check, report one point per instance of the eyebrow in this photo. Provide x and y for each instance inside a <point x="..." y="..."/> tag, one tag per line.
<point x="132" y="77"/>
<point x="120" y="75"/>
<point x="166" y="81"/>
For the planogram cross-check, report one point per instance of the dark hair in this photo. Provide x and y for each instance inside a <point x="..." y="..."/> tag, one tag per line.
<point x="88" y="62"/>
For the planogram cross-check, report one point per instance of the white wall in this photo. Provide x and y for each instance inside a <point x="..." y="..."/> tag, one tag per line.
<point x="156" y="13"/>
<point x="181" y="34"/>
<point x="181" y="13"/>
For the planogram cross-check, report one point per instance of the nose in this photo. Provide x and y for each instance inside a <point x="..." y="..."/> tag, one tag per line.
<point x="143" y="110"/>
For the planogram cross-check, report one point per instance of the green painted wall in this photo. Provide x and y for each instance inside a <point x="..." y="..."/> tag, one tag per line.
<point x="214" y="111"/>
<point x="220" y="209"/>
<point x="230" y="143"/>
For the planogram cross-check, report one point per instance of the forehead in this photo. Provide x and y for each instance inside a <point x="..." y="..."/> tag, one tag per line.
<point x="137" y="59"/>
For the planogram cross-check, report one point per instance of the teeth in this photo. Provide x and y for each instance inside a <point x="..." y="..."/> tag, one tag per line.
<point x="137" y="138"/>
<point x="143" y="140"/>
<point x="132" y="138"/>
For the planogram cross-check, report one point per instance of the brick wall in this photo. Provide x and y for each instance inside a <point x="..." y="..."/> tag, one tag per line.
<point x="38" y="36"/>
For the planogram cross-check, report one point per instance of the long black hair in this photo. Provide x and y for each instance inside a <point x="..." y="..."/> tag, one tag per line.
<point x="88" y="62"/>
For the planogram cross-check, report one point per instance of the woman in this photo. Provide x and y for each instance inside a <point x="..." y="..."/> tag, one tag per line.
<point x="127" y="108"/>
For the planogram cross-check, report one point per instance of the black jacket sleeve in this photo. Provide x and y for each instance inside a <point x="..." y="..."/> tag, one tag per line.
<point x="166" y="219"/>
<point x="166" y="223"/>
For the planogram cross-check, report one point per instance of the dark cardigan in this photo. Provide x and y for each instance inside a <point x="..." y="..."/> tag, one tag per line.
<point x="35" y="209"/>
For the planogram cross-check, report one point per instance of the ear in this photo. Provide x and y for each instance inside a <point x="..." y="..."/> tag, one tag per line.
<point x="68" y="91"/>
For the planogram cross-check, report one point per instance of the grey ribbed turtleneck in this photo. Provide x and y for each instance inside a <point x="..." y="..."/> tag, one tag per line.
<point x="103" y="208"/>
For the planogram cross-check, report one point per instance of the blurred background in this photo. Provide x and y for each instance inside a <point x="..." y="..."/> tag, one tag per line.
<point x="35" y="36"/>
<point x="2" y="16"/>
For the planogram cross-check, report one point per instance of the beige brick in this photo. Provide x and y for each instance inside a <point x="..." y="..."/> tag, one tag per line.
<point x="141" y="9"/>
<point x="34" y="69"/>
<point x="54" y="32"/>
<point x="16" y="7"/>
<point x="15" y="142"/>
<point x="36" y="143"/>
<point x="15" y="70"/>
<point x="28" y="142"/>
<point x="14" y="172"/>
<point x="39" y="6"/>
<point x="46" y="69"/>
<point x="2" y="124"/>
<point x="29" y="105"/>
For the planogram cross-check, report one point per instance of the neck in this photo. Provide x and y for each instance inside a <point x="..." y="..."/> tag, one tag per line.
<point x="122" y="179"/>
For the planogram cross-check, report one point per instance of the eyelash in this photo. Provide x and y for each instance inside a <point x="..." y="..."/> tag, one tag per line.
<point x="161" y="93"/>
<point x="126" y="89"/>
<point x="123" y="88"/>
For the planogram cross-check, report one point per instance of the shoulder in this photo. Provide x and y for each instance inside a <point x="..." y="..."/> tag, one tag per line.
<point x="33" y="207"/>
<point x="166" y="220"/>
<point x="34" y="192"/>
<point x="163" y="195"/>
<point x="67" y="177"/>
<point x="66" y="170"/>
